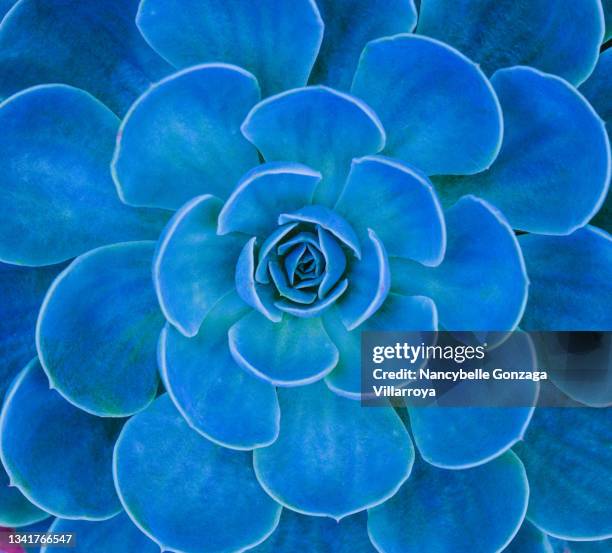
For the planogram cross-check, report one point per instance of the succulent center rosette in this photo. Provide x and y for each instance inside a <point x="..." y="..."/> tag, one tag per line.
<point x="235" y="191"/>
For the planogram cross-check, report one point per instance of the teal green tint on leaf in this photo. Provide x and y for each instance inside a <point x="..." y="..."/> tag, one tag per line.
<point x="57" y="455"/>
<point x="193" y="266"/>
<point x="181" y="138"/>
<point x="438" y="108"/>
<point x="185" y="492"/>
<point x="216" y="396"/>
<point x="318" y="126"/>
<point x="293" y="352"/>
<point x="98" y="328"/>
<point x="57" y="198"/>
<point x="319" y="464"/>
<point x="476" y="510"/>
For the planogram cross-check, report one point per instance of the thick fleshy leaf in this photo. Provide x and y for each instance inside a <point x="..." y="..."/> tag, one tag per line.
<point x="349" y="25"/>
<point x="270" y="243"/>
<point x="259" y="296"/>
<point x="117" y="534"/>
<point x="194" y="267"/>
<point x="483" y="266"/>
<point x="564" y="546"/>
<point x="329" y="220"/>
<point x="182" y="138"/>
<point x="57" y="199"/>
<point x="516" y="31"/>
<point x="98" y="328"/>
<point x="370" y="282"/>
<point x="438" y="108"/>
<point x="571" y="290"/>
<point x="495" y="492"/>
<point x="333" y="457"/>
<point x="462" y="437"/>
<point x="259" y="36"/>
<point x="597" y="91"/>
<point x="571" y="281"/>
<point x="93" y="46"/>
<point x="263" y="194"/>
<point x="397" y="312"/>
<point x="318" y="126"/>
<point x="5" y="6"/>
<point x="568" y="458"/>
<point x="555" y="148"/>
<point x="399" y="204"/>
<point x="22" y="290"/>
<point x="293" y="352"/>
<point x="529" y="540"/>
<point x="57" y="455"/>
<point x="317" y="307"/>
<point x="185" y="492"/>
<point x="217" y="397"/>
<point x="15" y="509"/>
<point x="296" y="532"/>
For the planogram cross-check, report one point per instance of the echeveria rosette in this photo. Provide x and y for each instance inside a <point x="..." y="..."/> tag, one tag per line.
<point x="267" y="271"/>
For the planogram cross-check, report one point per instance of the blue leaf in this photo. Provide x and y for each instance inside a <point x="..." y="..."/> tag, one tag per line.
<point x="329" y="220"/>
<point x="98" y="328"/>
<point x="478" y="510"/>
<point x="217" y="397"/>
<point x="397" y="312"/>
<point x="57" y="455"/>
<point x="293" y="352"/>
<point x="571" y="288"/>
<point x="181" y="138"/>
<point x="568" y="458"/>
<point x="597" y="91"/>
<point x="5" y="6"/>
<point x="15" y="509"/>
<point x="22" y="290"/>
<point x="482" y="282"/>
<point x="258" y="296"/>
<point x="370" y="280"/>
<point x="349" y="25"/>
<point x="462" y="437"/>
<point x="607" y="7"/>
<point x="263" y="194"/>
<point x="529" y="540"/>
<point x="552" y="173"/>
<point x="276" y="41"/>
<point x="318" y="126"/>
<point x="333" y="457"/>
<point x="564" y="546"/>
<point x="184" y="491"/>
<point x="297" y="532"/>
<point x="93" y="46"/>
<point x="516" y="31"/>
<point x="117" y="534"/>
<point x="193" y="266"/>
<point x="399" y="204"/>
<point x="58" y="199"/>
<point x="438" y="108"/>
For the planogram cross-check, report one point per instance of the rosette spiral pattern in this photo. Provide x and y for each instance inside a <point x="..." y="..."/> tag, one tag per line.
<point x="205" y="203"/>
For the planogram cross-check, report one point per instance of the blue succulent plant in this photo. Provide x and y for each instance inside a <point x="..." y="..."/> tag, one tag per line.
<point x="203" y="205"/>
